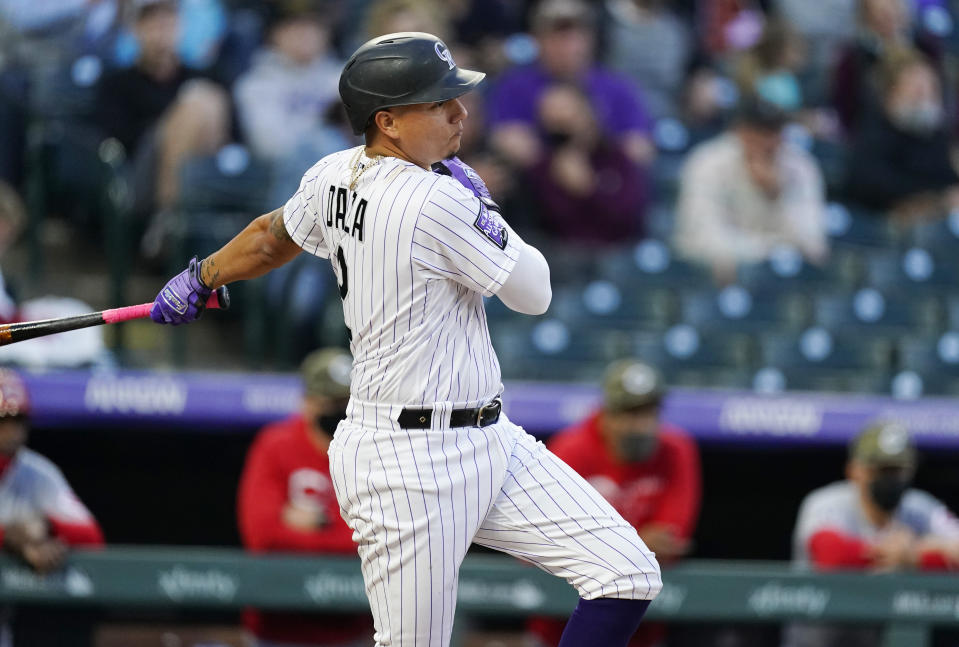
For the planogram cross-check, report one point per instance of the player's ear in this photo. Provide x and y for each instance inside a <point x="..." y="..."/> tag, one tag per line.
<point x="385" y="121"/>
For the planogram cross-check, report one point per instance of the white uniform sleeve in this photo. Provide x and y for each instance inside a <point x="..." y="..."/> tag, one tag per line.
<point x="823" y="509"/>
<point x="302" y="218"/>
<point x="458" y="238"/>
<point x="527" y="290"/>
<point x="57" y="500"/>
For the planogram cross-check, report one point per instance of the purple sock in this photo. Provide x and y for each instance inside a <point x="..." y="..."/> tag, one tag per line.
<point x="609" y="622"/>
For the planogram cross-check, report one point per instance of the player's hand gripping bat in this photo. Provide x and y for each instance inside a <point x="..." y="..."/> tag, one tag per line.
<point x="12" y="333"/>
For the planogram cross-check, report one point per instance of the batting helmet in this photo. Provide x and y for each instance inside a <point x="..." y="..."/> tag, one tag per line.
<point x="400" y="70"/>
<point x="13" y="395"/>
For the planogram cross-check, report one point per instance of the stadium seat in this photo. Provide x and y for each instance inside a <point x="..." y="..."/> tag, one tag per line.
<point x="787" y="268"/>
<point x="931" y="355"/>
<point x="690" y="357"/>
<point x="734" y="308"/>
<point x="873" y="311"/>
<point x="230" y="180"/>
<point x="651" y="262"/>
<point x="915" y="269"/>
<point x="603" y="305"/>
<point x="911" y="385"/>
<point x="549" y="349"/>
<point x="941" y="236"/>
<point x="815" y="359"/>
<point x="858" y="226"/>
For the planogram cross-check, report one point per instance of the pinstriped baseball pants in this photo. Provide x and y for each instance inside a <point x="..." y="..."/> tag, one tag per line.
<point x="416" y="499"/>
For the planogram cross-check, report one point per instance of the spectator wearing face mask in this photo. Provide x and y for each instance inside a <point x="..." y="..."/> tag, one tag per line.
<point x="582" y="170"/>
<point x="286" y="502"/>
<point x="900" y="160"/>
<point x="647" y="469"/>
<point x="872" y="521"/>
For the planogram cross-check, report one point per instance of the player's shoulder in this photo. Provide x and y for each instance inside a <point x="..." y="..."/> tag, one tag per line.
<point x="333" y="161"/>
<point x="36" y="465"/>
<point x="920" y="501"/>
<point x="278" y="435"/>
<point x="838" y="495"/>
<point x="448" y="198"/>
<point x="677" y="437"/>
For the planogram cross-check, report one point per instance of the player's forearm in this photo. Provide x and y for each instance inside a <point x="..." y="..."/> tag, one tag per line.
<point x="262" y="246"/>
<point x="77" y="534"/>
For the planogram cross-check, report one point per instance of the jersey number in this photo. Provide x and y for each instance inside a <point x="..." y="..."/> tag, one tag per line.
<point x="344" y="284"/>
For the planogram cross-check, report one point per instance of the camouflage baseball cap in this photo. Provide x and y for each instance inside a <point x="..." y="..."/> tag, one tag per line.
<point x="326" y="373"/>
<point x="631" y="384"/>
<point x="884" y="443"/>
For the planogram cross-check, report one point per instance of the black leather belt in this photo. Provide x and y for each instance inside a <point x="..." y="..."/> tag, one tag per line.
<point x="479" y="417"/>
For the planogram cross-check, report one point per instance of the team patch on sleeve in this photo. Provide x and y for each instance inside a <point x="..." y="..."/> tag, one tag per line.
<point x="490" y="227"/>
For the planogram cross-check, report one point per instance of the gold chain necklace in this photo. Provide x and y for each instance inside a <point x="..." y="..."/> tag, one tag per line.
<point x="360" y="169"/>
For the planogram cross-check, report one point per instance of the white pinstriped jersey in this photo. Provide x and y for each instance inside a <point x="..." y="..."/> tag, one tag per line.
<point x="414" y="252"/>
<point x="32" y="486"/>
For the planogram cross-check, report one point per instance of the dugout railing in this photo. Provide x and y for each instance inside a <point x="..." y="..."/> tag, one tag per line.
<point x="907" y="605"/>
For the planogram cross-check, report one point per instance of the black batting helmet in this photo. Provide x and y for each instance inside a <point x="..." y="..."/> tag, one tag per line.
<point x="399" y="70"/>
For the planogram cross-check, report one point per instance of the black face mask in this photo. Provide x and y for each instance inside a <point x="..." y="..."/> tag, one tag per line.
<point x="636" y="448"/>
<point x="329" y="421"/>
<point x="558" y="138"/>
<point x="887" y="490"/>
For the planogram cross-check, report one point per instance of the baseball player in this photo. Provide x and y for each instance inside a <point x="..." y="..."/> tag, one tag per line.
<point x="426" y="462"/>
<point x="39" y="513"/>
<point x="873" y="521"/>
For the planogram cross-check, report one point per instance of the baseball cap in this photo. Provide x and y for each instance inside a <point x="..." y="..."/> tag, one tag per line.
<point x="550" y="14"/>
<point x="326" y="373"/>
<point x="884" y="443"/>
<point x="761" y="113"/>
<point x="14" y="401"/>
<point x="631" y="384"/>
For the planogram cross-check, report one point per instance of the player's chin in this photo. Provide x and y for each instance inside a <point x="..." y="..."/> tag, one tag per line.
<point x="454" y="146"/>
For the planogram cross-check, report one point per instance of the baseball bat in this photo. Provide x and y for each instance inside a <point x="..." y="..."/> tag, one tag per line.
<point x="12" y="333"/>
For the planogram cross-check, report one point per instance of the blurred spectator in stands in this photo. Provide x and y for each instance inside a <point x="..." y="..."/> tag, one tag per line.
<point x="748" y="191"/>
<point x="825" y="25"/>
<point x="648" y="470"/>
<point x="645" y="40"/>
<point x="565" y="31"/>
<point x="13" y="217"/>
<point x="161" y="111"/>
<point x="872" y="521"/>
<point x="39" y="514"/>
<point x="728" y="25"/>
<point x="286" y="502"/>
<point x="884" y="27"/>
<point x="390" y="16"/>
<point x="708" y="97"/>
<point x="581" y="171"/>
<point x="282" y="101"/>
<point x="901" y="158"/>
<point x="771" y="70"/>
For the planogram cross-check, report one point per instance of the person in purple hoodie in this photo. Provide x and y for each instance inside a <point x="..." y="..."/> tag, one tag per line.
<point x="582" y="171"/>
<point x="565" y="34"/>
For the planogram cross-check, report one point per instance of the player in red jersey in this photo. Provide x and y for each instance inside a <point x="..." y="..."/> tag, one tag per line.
<point x="647" y="469"/>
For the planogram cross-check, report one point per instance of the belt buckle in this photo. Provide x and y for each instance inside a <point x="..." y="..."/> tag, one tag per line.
<point x="494" y="403"/>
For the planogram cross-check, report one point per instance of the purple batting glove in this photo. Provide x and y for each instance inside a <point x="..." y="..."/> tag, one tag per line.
<point x="182" y="299"/>
<point x="465" y="175"/>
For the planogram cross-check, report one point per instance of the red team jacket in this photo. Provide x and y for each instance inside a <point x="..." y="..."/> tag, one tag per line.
<point x="666" y="489"/>
<point x="284" y="465"/>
